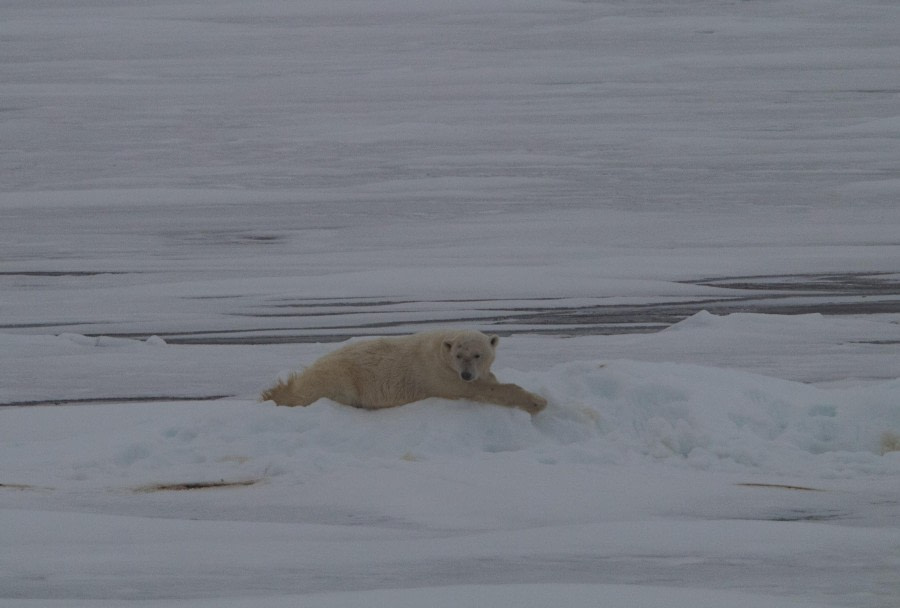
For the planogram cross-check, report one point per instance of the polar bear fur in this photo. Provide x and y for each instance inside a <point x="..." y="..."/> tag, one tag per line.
<point x="386" y="372"/>
<point x="890" y="442"/>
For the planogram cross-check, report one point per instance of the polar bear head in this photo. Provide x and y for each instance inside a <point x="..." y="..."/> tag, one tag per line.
<point x="470" y="354"/>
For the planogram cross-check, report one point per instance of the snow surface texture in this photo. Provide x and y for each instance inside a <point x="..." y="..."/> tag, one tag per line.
<point x="195" y="196"/>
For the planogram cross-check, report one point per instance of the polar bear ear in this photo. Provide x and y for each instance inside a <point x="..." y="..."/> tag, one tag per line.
<point x="495" y="339"/>
<point x="447" y="345"/>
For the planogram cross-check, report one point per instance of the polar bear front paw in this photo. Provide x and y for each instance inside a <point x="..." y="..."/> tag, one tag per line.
<point x="536" y="404"/>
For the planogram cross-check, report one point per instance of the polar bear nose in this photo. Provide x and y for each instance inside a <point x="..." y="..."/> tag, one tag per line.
<point x="466" y="375"/>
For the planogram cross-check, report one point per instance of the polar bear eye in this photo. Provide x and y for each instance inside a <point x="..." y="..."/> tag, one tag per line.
<point x="478" y="356"/>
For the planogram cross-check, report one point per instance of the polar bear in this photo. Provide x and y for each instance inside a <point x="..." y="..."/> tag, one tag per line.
<point x="386" y="372"/>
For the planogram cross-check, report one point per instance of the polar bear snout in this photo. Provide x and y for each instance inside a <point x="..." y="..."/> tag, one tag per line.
<point x="468" y="368"/>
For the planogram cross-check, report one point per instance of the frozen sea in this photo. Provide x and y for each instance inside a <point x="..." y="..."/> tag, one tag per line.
<point x="681" y="217"/>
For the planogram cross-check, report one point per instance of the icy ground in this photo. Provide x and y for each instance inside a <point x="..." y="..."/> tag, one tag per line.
<point x="681" y="217"/>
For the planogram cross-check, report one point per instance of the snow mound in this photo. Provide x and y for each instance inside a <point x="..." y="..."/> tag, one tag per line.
<point x="109" y="342"/>
<point x="718" y="419"/>
<point x="618" y="412"/>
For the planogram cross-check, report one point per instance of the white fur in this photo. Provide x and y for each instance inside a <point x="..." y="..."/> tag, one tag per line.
<point x="386" y="372"/>
<point x="890" y="442"/>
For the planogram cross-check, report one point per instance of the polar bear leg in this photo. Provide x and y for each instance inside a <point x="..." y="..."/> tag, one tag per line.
<point x="291" y="393"/>
<point x="309" y="386"/>
<point x="510" y="395"/>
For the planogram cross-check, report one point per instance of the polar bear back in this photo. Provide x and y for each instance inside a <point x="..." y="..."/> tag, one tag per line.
<point x="385" y="372"/>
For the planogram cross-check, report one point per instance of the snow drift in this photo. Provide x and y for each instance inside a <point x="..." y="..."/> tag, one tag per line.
<point x="615" y="412"/>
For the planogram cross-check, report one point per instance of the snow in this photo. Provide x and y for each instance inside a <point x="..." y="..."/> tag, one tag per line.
<point x="741" y="488"/>
<point x="680" y="217"/>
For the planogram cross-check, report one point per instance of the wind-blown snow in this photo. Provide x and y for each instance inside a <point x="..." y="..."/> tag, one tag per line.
<point x="197" y="196"/>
